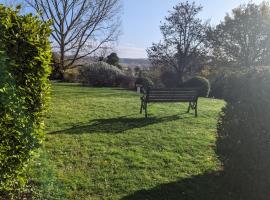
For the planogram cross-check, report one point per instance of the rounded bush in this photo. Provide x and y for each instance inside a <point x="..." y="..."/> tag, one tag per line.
<point x="25" y="56"/>
<point x="145" y="82"/>
<point x="100" y="74"/>
<point x="199" y="82"/>
<point x="243" y="143"/>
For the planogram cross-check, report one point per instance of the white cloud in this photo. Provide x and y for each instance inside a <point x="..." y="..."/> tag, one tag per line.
<point x="131" y="51"/>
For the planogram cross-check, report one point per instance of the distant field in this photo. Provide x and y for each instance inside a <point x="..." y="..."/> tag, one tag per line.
<point x="98" y="146"/>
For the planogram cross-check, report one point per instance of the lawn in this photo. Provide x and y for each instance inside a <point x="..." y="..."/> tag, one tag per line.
<point x="98" y="146"/>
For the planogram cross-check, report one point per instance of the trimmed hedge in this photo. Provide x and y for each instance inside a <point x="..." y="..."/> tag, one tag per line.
<point x="100" y="74"/>
<point x="199" y="82"/>
<point x="243" y="143"/>
<point x="25" y="56"/>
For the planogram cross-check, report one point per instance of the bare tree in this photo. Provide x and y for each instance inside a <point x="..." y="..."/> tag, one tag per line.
<point x="182" y="48"/>
<point x="80" y="27"/>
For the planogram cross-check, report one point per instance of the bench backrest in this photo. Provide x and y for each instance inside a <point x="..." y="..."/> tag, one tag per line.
<point x="172" y="94"/>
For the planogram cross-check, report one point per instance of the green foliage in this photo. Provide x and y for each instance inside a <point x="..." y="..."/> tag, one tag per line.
<point x="170" y="79"/>
<point x="182" y="48"/>
<point x="24" y="67"/>
<point x="145" y="82"/>
<point x="100" y="74"/>
<point x="113" y="59"/>
<point x="243" y="134"/>
<point x="243" y="38"/>
<point x="199" y="82"/>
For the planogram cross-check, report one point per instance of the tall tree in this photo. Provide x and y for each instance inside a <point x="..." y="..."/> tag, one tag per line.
<point x="113" y="59"/>
<point x="243" y="38"/>
<point x="184" y="35"/>
<point x="80" y="27"/>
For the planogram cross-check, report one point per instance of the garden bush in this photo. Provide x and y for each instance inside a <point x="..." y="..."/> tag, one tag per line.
<point x="145" y="82"/>
<point x="243" y="143"/>
<point x="127" y="82"/>
<point x="72" y="75"/>
<point x="199" y="82"/>
<point x="100" y="74"/>
<point x="25" y="57"/>
<point x="170" y="79"/>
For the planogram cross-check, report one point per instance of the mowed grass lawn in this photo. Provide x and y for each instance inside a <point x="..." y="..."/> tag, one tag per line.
<point x="98" y="146"/>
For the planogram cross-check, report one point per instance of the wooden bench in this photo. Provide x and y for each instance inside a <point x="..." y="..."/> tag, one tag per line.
<point x="165" y="95"/>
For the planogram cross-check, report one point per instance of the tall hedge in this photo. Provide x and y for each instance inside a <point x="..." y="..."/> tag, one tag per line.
<point x="243" y="142"/>
<point x="25" y="56"/>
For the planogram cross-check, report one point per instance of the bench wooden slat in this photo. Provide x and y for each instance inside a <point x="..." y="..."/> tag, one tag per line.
<point x="167" y="100"/>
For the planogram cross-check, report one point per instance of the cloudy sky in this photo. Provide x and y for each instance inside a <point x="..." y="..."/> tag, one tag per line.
<point x="141" y="20"/>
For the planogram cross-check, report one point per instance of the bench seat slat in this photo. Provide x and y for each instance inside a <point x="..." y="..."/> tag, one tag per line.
<point x="168" y="100"/>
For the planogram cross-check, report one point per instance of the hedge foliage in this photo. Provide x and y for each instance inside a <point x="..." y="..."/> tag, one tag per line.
<point x="170" y="79"/>
<point x="243" y="143"/>
<point x="25" y="56"/>
<point x="144" y="81"/>
<point x="199" y="82"/>
<point x="100" y="74"/>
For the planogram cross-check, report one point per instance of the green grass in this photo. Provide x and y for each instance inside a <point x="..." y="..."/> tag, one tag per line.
<point x="98" y="146"/>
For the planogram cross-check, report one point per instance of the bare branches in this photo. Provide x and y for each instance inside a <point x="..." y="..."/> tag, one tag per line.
<point x="80" y="27"/>
<point x="184" y="40"/>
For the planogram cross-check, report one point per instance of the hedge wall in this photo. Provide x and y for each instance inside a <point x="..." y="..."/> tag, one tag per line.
<point x="25" y="56"/>
<point x="243" y="143"/>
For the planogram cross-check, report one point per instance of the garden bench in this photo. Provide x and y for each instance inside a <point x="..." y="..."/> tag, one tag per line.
<point x="165" y="95"/>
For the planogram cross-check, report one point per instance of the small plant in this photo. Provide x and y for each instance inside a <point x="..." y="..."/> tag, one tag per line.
<point x="199" y="82"/>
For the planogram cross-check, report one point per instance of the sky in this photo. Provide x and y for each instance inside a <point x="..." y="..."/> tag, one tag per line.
<point x="141" y="20"/>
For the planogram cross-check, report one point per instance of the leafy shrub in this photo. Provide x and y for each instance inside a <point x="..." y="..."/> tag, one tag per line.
<point x="145" y="82"/>
<point x="243" y="143"/>
<point x="100" y="74"/>
<point x="170" y="79"/>
<point x="25" y="56"/>
<point x="127" y="82"/>
<point x="72" y="75"/>
<point x="199" y="82"/>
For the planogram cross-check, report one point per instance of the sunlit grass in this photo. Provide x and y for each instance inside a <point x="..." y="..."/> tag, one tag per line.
<point x="98" y="146"/>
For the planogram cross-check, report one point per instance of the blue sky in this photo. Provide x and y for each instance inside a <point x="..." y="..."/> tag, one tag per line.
<point x="141" y="21"/>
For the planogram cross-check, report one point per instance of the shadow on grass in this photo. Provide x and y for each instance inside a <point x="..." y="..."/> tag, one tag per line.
<point x="201" y="187"/>
<point x="116" y="125"/>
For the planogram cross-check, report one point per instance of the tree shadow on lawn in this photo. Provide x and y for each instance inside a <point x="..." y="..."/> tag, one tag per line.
<point x="201" y="187"/>
<point x="116" y="125"/>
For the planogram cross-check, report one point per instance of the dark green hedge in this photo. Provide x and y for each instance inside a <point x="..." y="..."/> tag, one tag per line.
<point x="243" y="143"/>
<point x="199" y="82"/>
<point x="25" y="56"/>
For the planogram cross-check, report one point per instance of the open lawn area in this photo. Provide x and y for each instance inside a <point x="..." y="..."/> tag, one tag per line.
<point x="98" y="146"/>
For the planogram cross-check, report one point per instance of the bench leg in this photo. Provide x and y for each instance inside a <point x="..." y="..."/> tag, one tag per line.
<point x="189" y="107"/>
<point x="141" y="107"/>
<point x="196" y="111"/>
<point x="145" y="109"/>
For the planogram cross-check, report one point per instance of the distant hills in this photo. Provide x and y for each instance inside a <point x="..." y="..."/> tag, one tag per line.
<point x="133" y="62"/>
